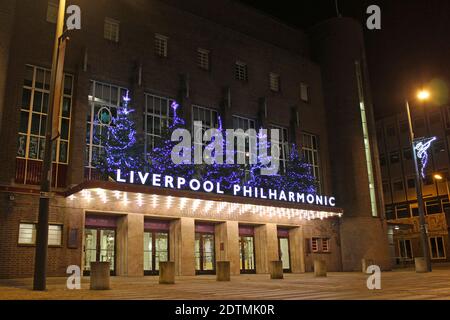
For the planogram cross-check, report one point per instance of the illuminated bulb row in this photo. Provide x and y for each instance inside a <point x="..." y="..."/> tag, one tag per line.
<point x="211" y="208"/>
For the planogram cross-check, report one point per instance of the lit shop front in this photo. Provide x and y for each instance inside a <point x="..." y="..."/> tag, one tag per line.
<point x="135" y="227"/>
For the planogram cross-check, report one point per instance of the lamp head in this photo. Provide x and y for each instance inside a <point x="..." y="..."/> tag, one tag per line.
<point x="423" y="95"/>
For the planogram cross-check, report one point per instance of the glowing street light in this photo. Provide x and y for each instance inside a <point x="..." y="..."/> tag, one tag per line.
<point x="422" y="95"/>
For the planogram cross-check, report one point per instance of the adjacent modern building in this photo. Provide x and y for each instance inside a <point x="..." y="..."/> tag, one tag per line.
<point x="397" y="169"/>
<point x="215" y="59"/>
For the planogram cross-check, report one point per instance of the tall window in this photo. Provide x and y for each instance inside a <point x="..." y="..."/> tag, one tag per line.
<point x="111" y="29"/>
<point x="161" y="45"/>
<point x="104" y="99"/>
<point x="208" y="117"/>
<point x="244" y="124"/>
<point x="437" y="248"/>
<point x="304" y="92"/>
<point x="284" y="146"/>
<point x="203" y="59"/>
<point x="241" y="71"/>
<point x="310" y="152"/>
<point x="405" y="248"/>
<point x="33" y="116"/>
<point x="158" y="114"/>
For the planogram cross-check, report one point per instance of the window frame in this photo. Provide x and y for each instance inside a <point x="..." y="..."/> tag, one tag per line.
<point x="163" y="118"/>
<point x="400" y="251"/>
<point x="161" y="45"/>
<point x="93" y="102"/>
<point x="305" y="89"/>
<point x="241" y="71"/>
<point x="204" y="59"/>
<point x="434" y="238"/>
<point x="114" y="26"/>
<point x="250" y="124"/>
<point x="34" y="224"/>
<point x="274" y="82"/>
<point x="284" y="145"/>
<point x="311" y="153"/>
<point x="31" y="114"/>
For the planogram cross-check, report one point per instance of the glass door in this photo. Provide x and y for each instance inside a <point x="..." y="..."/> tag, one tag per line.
<point x="99" y="245"/>
<point x="283" y="250"/>
<point x="156" y="249"/>
<point x="247" y="255"/>
<point x="90" y="249"/>
<point x="204" y="253"/>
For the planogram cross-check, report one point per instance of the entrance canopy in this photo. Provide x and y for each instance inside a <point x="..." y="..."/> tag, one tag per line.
<point x="197" y="203"/>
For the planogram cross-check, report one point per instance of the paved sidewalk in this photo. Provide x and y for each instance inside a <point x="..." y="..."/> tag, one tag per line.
<point x="404" y="284"/>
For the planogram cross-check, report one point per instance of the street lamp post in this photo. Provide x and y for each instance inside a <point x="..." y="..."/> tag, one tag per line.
<point x="40" y="260"/>
<point x="422" y="222"/>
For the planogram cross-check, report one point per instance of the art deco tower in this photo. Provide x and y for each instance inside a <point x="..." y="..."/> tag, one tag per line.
<point x="338" y="47"/>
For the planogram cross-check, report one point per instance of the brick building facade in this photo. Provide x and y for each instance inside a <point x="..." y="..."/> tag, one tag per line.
<point x="213" y="59"/>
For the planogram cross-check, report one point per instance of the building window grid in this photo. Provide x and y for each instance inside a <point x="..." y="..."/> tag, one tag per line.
<point x="284" y="146"/>
<point x="310" y="151"/>
<point x="244" y="124"/>
<point x="402" y="211"/>
<point x="405" y="249"/>
<point x="437" y="247"/>
<point x="158" y="115"/>
<point x="320" y="245"/>
<point x="274" y="81"/>
<point x="27" y="234"/>
<point x="203" y="58"/>
<point x="161" y="45"/>
<point x="433" y="206"/>
<point x="112" y="29"/>
<point x="209" y="118"/>
<point x="102" y="97"/>
<point x="33" y="116"/>
<point x="304" y="92"/>
<point x="241" y="71"/>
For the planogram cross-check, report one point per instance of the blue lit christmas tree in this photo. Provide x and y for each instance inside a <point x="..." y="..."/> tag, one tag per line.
<point x="256" y="179"/>
<point x="121" y="150"/>
<point x="298" y="176"/>
<point x="159" y="158"/>
<point x="225" y="174"/>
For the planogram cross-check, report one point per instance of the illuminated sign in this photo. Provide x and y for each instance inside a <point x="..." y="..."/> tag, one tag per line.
<point x="158" y="180"/>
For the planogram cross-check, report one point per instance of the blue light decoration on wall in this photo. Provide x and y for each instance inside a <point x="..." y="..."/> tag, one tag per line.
<point x="421" y="147"/>
<point x="120" y="148"/>
<point x="159" y="158"/>
<point x="225" y="174"/>
<point x="123" y="151"/>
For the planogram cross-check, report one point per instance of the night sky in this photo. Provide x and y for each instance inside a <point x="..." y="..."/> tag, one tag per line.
<point x="411" y="50"/>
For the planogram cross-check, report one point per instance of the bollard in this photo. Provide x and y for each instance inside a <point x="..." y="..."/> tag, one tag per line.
<point x="100" y="276"/>
<point x="276" y="270"/>
<point x="167" y="272"/>
<point x="420" y="265"/>
<point x="320" y="268"/>
<point x="223" y="271"/>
